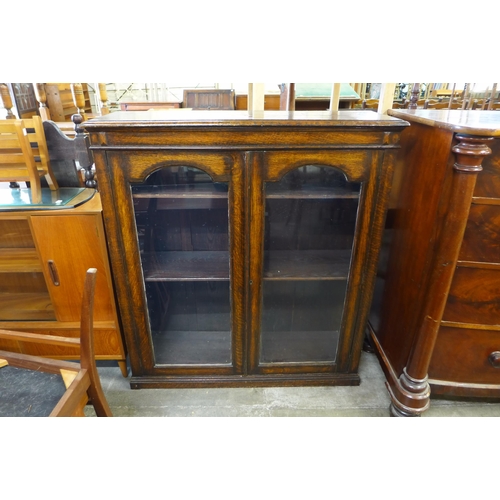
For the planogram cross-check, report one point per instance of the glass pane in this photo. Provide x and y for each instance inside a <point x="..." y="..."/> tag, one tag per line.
<point x="310" y="220"/>
<point x="20" y="198"/>
<point x="182" y="223"/>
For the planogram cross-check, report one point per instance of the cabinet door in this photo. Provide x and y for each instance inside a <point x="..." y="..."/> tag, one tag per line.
<point x="23" y="292"/>
<point x="68" y="245"/>
<point x="309" y="222"/>
<point x="182" y="218"/>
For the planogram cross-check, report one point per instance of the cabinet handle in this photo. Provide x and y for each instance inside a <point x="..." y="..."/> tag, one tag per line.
<point x="54" y="275"/>
<point x="494" y="359"/>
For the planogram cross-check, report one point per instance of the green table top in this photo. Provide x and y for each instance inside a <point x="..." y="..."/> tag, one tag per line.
<point x="311" y="90"/>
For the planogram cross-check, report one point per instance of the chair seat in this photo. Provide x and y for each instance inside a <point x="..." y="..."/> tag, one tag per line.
<point x="80" y="381"/>
<point x="29" y="393"/>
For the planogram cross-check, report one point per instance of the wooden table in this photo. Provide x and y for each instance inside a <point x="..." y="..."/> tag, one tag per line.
<point x="435" y="320"/>
<point x="45" y="249"/>
<point x="147" y="105"/>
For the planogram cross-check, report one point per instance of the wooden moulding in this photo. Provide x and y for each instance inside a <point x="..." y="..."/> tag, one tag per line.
<point x="410" y="393"/>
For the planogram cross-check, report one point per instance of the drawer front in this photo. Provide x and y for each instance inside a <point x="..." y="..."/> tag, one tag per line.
<point x="474" y="297"/>
<point x="488" y="181"/>
<point x="481" y="241"/>
<point x="462" y="355"/>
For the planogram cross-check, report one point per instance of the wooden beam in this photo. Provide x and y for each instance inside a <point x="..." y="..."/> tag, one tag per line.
<point x="7" y="101"/>
<point x="335" y="97"/>
<point x="290" y="102"/>
<point x="41" y="97"/>
<point x="103" y="98"/>
<point x="386" y="97"/>
<point x="255" y="98"/>
<point x="492" y="96"/>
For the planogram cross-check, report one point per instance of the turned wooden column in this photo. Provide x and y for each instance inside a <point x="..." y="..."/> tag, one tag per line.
<point x="79" y="99"/>
<point x="103" y="96"/>
<point x="7" y="101"/>
<point x="41" y="97"/>
<point x="415" y="92"/>
<point x="412" y="396"/>
<point x="83" y="154"/>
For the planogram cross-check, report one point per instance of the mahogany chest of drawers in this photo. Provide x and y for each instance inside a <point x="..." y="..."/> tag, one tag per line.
<point x="435" y="319"/>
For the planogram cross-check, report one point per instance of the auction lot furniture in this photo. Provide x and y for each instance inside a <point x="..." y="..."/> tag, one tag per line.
<point x="244" y="249"/>
<point x="45" y="249"/>
<point x="435" y="320"/>
<point x="30" y="395"/>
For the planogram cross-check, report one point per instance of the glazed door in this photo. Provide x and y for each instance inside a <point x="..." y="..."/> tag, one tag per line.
<point x="307" y="230"/>
<point x="188" y="226"/>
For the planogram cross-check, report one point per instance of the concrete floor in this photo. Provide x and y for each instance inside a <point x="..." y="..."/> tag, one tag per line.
<point x="370" y="399"/>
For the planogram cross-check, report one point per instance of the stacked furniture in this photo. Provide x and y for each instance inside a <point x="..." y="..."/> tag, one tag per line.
<point x="24" y="155"/>
<point x="60" y="101"/>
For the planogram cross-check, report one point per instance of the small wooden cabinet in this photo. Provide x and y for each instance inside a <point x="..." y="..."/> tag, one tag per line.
<point x="44" y="255"/>
<point x="435" y="320"/>
<point x="244" y="248"/>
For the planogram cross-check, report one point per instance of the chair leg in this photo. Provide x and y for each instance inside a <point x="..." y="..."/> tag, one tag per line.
<point x="87" y="360"/>
<point x="36" y="188"/>
<point x="97" y="398"/>
<point x="51" y="180"/>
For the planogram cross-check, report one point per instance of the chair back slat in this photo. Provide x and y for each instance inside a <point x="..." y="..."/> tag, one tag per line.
<point x="17" y="162"/>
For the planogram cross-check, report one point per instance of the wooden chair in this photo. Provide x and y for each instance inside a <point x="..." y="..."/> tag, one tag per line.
<point x="17" y="162"/>
<point x="400" y="104"/>
<point x="209" y="99"/>
<point x="58" y="100"/>
<point x="38" y="143"/>
<point x="81" y="379"/>
<point x="370" y="104"/>
<point x="431" y="104"/>
<point x="484" y="104"/>
<point x="24" y="154"/>
<point x="443" y="105"/>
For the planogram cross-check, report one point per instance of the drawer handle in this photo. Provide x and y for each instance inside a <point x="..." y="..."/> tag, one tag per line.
<point x="54" y="275"/>
<point x="494" y="359"/>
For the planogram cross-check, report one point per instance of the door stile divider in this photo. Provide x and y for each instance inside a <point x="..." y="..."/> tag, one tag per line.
<point x="256" y="207"/>
<point x="237" y="212"/>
